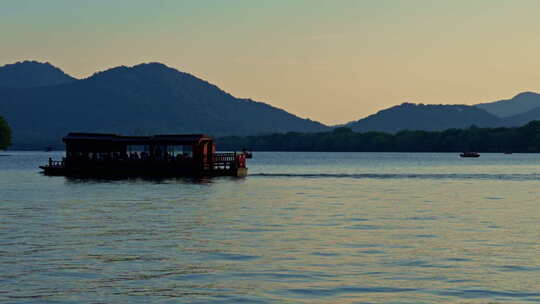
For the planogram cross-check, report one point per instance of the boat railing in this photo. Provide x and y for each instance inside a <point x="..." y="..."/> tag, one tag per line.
<point x="56" y="163"/>
<point x="224" y="160"/>
<point x="228" y="160"/>
<point x="219" y="161"/>
<point x="225" y="157"/>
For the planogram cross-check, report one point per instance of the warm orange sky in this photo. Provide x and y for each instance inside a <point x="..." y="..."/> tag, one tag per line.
<point x="331" y="61"/>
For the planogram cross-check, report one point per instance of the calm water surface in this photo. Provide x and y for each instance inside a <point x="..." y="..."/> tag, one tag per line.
<point x="302" y="228"/>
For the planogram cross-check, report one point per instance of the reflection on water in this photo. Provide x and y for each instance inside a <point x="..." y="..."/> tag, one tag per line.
<point x="435" y="176"/>
<point x="302" y="228"/>
<point x="139" y="180"/>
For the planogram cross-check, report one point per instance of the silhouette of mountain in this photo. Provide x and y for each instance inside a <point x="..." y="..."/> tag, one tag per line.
<point x="144" y="99"/>
<point x="29" y="74"/>
<point x="519" y="104"/>
<point x="523" y="118"/>
<point x="410" y="116"/>
<point x="42" y="104"/>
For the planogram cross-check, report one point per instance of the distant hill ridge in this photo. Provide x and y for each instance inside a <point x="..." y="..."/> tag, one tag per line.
<point x="27" y="74"/>
<point x="519" y="104"/>
<point x="410" y="116"/>
<point x="144" y="99"/>
<point x="42" y="103"/>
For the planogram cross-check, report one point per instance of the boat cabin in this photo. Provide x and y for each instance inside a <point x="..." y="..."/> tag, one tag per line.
<point x="99" y="154"/>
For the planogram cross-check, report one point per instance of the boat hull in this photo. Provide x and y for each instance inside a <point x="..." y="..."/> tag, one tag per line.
<point x="98" y="172"/>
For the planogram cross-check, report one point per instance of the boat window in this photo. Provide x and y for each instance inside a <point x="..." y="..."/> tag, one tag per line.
<point x="187" y="151"/>
<point x="179" y="150"/>
<point x="137" y="148"/>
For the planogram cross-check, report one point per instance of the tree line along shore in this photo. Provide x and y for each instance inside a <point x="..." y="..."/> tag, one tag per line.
<point x="525" y="139"/>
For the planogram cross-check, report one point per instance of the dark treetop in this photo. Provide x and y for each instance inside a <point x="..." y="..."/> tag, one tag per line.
<point x="5" y="134"/>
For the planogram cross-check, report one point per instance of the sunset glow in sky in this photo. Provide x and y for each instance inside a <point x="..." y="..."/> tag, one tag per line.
<point x="329" y="60"/>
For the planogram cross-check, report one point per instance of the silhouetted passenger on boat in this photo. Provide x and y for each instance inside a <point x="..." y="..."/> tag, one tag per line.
<point x="157" y="153"/>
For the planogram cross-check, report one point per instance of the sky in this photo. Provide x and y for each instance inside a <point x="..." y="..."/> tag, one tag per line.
<point x="332" y="61"/>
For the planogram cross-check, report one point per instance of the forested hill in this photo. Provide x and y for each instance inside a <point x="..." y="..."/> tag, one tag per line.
<point x="517" y="105"/>
<point x="42" y="104"/>
<point x="139" y="100"/>
<point x="519" y="139"/>
<point x="410" y="116"/>
<point x="29" y="74"/>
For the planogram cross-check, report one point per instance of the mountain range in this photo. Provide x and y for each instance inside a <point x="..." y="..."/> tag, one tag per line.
<point x="42" y="103"/>
<point x="410" y="116"/>
<point x="144" y="99"/>
<point x="519" y="104"/>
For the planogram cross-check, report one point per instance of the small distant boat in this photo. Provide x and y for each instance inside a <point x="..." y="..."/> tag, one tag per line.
<point x="470" y="154"/>
<point x="507" y="152"/>
<point x="48" y="149"/>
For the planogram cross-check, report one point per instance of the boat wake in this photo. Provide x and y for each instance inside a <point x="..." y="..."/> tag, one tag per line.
<point x="457" y="176"/>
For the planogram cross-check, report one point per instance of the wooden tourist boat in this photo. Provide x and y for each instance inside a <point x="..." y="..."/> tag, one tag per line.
<point x="111" y="155"/>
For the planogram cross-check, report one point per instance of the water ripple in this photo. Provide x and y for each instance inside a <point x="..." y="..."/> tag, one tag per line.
<point x="431" y="176"/>
<point x="304" y="228"/>
<point x="329" y="292"/>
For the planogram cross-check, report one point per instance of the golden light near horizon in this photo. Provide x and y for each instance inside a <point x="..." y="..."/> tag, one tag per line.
<point x="331" y="61"/>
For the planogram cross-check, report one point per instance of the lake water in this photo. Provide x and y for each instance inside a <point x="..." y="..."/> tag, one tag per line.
<point x="302" y="228"/>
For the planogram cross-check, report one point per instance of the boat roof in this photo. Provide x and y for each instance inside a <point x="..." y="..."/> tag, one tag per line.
<point x="165" y="139"/>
